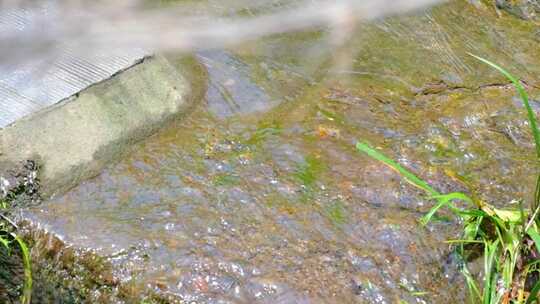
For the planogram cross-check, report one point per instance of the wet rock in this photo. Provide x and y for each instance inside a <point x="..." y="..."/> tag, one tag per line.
<point x="367" y="291"/>
<point x="19" y="184"/>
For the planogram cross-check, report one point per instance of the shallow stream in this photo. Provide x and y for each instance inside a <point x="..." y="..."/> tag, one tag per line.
<point x="258" y="196"/>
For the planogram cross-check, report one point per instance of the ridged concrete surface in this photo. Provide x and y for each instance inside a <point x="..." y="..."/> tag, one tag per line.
<point x="32" y="84"/>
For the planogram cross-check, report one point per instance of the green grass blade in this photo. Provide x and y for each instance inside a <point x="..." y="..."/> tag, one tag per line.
<point x="474" y="292"/>
<point x="5" y="243"/>
<point x="535" y="237"/>
<point x="413" y="179"/>
<point x="524" y="98"/>
<point x="445" y="200"/>
<point x="442" y="199"/>
<point x="463" y="242"/>
<point x="533" y="296"/>
<point x="536" y="196"/>
<point x="27" y="287"/>
<point x="530" y="115"/>
<point x="491" y="274"/>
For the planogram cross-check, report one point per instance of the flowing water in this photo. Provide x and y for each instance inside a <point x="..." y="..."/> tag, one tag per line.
<point x="258" y="195"/>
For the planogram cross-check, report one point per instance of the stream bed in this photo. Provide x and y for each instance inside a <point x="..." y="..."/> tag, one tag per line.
<point x="258" y="195"/>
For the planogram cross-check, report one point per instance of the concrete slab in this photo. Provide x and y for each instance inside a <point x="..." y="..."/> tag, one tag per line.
<point x="74" y="139"/>
<point x="32" y="84"/>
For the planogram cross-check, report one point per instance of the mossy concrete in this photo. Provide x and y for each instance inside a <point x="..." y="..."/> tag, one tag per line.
<point x="74" y="139"/>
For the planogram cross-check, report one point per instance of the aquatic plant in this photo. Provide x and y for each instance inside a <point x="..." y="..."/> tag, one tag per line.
<point x="509" y="238"/>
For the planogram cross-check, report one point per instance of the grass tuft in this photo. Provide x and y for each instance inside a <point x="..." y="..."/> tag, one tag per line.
<point x="508" y="239"/>
<point x="10" y="240"/>
<point x="27" y="287"/>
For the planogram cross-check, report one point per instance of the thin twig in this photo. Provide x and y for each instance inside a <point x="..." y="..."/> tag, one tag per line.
<point x="531" y="221"/>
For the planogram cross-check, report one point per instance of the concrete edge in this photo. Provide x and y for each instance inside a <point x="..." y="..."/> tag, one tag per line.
<point x="74" y="139"/>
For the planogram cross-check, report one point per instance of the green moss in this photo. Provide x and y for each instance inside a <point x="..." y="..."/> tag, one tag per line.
<point x="225" y="180"/>
<point x="336" y="212"/>
<point x="308" y="172"/>
<point x="265" y="130"/>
